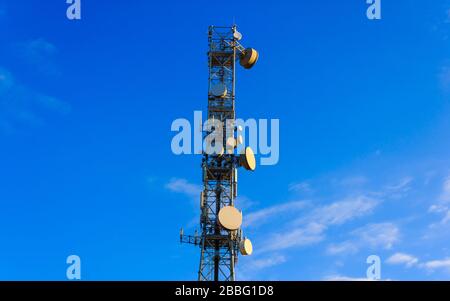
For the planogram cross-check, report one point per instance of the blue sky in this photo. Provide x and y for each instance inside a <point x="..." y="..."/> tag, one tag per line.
<point x="86" y="166"/>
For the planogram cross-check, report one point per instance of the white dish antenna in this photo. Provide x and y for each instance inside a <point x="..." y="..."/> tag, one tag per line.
<point x="249" y="58"/>
<point x="237" y="35"/>
<point x="230" y="218"/>
<point x="247" y="159"/>
<point x="219" y="90"/>
<point x="246" y="247"/>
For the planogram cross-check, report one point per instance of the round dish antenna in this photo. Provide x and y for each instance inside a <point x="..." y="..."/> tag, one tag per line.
<point x="249" y="58"/>
<point x="237" y="35"/>
<point x="247" y="159"/>
<point x="230" y="218"/>
<point x="246" y="247"/>
<point x="219" y="90"/>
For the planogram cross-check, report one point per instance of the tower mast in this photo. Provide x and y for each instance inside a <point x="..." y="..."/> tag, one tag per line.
<point x="221" y="236"/>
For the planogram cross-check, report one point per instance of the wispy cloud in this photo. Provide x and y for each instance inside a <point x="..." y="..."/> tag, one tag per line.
<point x="442" y="206"/>
<point x="403" y="259"/>
<point x="341" y="212"/>
<point x="437" y="264"/>
<point x="344" y="278"/>
<point x="262" y="216"/>
<point x="353" y="181"/>
<point x="375" y="236"/>
<point x="409" y="261"/>
<point x="311" y="228"/>
<point x="344" y="248"/>
<point x="37" y="50"/>
<point x="381" y="235"/>
<point x="399" y="189"/>
<point x="266" y="262"/>
<point x="21" y="106"/>
<point x="445" y="195"/>
<point x="184" y="187"/>
<point x="242" y="202"/>
<point x="253" y="266"/>
<point x="300" y="187"/>
<point x="39" y="53"/>
<point x="304" y="236"/>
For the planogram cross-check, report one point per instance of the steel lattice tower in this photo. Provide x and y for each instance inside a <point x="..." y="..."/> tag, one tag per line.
<point x="219" y="246"/>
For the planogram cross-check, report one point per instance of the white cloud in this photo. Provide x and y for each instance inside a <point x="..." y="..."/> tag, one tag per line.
<point x="402" y="259"/>
<point x="437" y="264"/>
<point x="437" y="208"/>
<point x="402" y="185"/>
<point x="36" y="50"/>
<point x="382" y="235"/>
<point x="184" y="187"/>
<point x="400" y="189"/>
<point x="446" y="218"/>
<point x="39" y="54"/>
<point x="344" y="278"/>
<point x="445" y="195"/>
<point x="53" y="104"/>
<point x="342" y="211"/>
<point x="257" y="218"/>
<point x="344" y="248"/>
<point x="310" y="234"/>
<point x="258" y="264"/>
<point x="353" y="181"/>
<point x="243" y="202"/>
<point x="21" y="106"/>
<point x="300" y="187"/>
<point x="311" y="229"/>
<point x="251" y="267"/>
<point x="443" y="204"/>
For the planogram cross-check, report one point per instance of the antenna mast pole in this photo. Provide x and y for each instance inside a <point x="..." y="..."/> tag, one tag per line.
<point x="219" y="242"/>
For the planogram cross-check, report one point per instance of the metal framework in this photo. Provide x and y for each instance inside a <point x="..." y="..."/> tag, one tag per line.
<point x="219" y="247"/>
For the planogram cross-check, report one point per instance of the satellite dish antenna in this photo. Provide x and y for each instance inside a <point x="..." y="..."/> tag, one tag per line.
<point x="249" y="58"/>
<point x="230" y="218"/>
<point x="246" y="247"/>
<point x="219" y="90"/>
<point x="247" y="159"/>
<point x="237" y="35"/>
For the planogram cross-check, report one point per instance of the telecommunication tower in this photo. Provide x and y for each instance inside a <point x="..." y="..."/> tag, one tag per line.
<point x="221" y="238"/>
